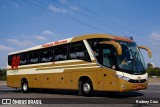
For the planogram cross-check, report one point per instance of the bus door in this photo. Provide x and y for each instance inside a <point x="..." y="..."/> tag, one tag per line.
<point x="106" y="75"/>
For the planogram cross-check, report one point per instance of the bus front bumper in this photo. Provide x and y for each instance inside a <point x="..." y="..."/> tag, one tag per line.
<point x="128" y="86"/>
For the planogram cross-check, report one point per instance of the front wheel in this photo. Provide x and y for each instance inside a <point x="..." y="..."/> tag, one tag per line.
<point x="87" y="88"/>
<point x="24" y="86"/>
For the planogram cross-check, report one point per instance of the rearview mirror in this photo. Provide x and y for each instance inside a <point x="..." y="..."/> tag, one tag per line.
<point x="115" y="44"/>
<point x="147" y="49"/>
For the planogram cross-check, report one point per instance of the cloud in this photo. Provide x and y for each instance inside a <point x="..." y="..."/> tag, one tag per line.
<point x="155" y="36"/>
<point x="57" y="10"/>
<point x="74" y="8"/>
<point x="14" y="4"/>
<point x="17" y="6"/>
<point x="24" y="36"/>
<point x="3" y="6"/>
<point x="63" y="1"/>
<point x="20" y="43"/>
<point x="154" y="39"/>
<point x="40" y="37"/>
<point x="47" y="32"/>
<point x="6" y="48"/>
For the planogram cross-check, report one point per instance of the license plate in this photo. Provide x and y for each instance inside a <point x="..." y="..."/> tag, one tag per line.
<point x="139" y="86"/>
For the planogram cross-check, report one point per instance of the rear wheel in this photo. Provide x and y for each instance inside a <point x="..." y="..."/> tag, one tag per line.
<point x="24" y="86"/>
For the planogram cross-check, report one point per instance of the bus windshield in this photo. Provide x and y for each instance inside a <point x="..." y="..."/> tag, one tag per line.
<point x="131" y="60"/>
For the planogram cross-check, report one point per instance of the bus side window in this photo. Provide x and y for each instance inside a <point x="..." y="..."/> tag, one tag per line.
<point x="46" y="55"/>
<point x="10" y="59"/>
<point x="23" y="59"/>
<point x="78" y="51"/>
<point x="34" y="57"/>
<point x="107" y="58"/>
<point x="60" y="53"/>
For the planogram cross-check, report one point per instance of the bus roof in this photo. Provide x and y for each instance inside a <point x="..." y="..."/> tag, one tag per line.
<point x="74" y="39"/>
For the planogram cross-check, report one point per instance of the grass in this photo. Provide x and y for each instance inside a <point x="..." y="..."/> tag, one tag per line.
<point x="3" y="78"/>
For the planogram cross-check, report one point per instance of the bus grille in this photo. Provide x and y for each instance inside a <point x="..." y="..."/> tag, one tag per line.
<point x="137" y="81"/>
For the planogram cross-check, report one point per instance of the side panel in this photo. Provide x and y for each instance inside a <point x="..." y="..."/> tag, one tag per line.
<point x="106" y="81"/>
<point x="62" y="80"/>
<point x="13" y="81"/>
<point x="110" y="82"/>
<point x="103" y="79"/>
<point x="57" y="76"/>
<point x="49" y="80"/>
<point x="89" y="72"/>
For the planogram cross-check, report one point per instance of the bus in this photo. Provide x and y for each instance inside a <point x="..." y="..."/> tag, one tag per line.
<point x="86" y="63"/>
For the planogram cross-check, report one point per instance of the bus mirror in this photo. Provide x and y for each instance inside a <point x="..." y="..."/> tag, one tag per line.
<point x="147" y="49"/>
<point x="115" y="44"/>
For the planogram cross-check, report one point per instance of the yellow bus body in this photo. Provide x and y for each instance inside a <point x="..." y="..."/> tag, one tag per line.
<point x="66" y="74"/>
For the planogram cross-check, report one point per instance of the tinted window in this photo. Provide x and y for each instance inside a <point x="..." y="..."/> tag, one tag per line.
<point x="78" y="51"/>
<point x="23" y="58"/>
<point x="34" y="57"/>
<point x="60" y="53"/>
<point x="46" y="55"/>
<point x="10" y="59"/>
<point x="94" y="44"/>
<point x="107" y="58"/>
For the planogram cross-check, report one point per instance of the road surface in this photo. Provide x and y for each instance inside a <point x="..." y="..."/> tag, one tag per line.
<point x="64" y="98"/>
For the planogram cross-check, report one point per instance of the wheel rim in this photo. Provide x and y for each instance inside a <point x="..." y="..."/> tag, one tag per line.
<point x="86" y="88"/>
<point x="25" y="87"/>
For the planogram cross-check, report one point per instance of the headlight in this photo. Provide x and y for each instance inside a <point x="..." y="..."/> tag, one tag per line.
<point x="123" y="77"/>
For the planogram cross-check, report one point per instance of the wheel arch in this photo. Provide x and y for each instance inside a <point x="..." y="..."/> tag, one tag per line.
<point x="24" y="79"/>
<point x="86" y="77"/>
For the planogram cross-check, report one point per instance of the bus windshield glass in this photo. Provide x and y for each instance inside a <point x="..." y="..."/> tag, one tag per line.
<point x="131" y="60"/>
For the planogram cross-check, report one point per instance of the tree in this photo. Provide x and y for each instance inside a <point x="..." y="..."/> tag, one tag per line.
<point x="150" y="65"/>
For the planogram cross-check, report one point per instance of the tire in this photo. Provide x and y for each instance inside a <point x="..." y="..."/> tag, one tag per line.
<point x="87" y="88"/>
<point x="24" y="86"/>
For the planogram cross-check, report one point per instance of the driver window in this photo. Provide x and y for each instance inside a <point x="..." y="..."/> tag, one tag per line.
<point x="107" y="58"/>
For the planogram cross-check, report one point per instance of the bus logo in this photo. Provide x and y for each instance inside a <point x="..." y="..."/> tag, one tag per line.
<point x="54" y="43"/>
<point x="139" y="79"/>
<point x="15" y="62"/>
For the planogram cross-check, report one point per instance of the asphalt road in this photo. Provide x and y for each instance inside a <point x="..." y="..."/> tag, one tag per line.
<point x="70" y="98"/>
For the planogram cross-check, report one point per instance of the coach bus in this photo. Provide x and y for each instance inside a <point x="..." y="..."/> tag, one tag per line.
<point x="87" y="63"/>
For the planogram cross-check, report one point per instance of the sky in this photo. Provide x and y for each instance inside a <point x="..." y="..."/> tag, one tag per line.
<point x="27" y="23"/>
